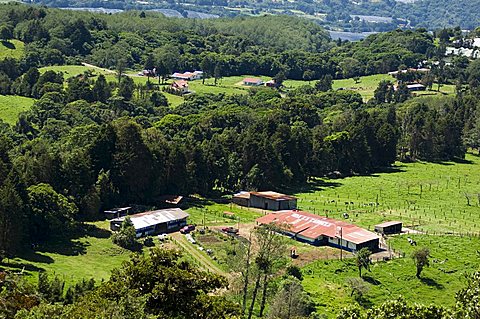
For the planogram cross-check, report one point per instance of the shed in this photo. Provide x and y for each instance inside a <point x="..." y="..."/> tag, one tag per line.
<point x="393" y="227"/>
<point x="252" y="81"/>
<point x="117" y="212"/>
<point x="269" y="200"/>
<point x="242" y="198"/>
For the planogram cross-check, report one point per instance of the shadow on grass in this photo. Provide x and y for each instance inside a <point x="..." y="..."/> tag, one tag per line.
<point x="20" y="266"/>
<point x="97" y="232"/>
<point x="8" y="44"/>
<point x="372" y="280"/>
<point x="431" y="282"/>
<point x="364" y="302"/>
<point x="35" y="257"/>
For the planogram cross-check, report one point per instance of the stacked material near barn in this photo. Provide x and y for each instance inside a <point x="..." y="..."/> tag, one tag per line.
<point x="267" y="200"/>
<point x="393" y="227"/>
<point x="318" y="230"/>
<point x="154" y="222"/>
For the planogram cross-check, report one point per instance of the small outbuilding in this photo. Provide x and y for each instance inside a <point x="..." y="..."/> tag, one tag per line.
<point x="387" y="228"/>
<point x="154" y="222"/>
<point x="117" y="212"/>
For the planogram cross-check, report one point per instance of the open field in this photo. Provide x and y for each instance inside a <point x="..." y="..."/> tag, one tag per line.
<point x="452" y="258"/>
<point x="11" y="49"/>
<point x="12" y="105"/>
<point x="72" y="70"/>
<point x="425" y="196"/>
<point x="367" y="85"/>
<point x="91" y="256"/>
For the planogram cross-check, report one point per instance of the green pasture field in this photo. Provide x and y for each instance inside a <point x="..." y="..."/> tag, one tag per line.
<point x="11" y="49"/>
<point x="11" y="106"/>
<point x="91" y="256"/>
<point x="429" y="197"/>
<point x="451" y="259"/>
<point x="73" y="70"/>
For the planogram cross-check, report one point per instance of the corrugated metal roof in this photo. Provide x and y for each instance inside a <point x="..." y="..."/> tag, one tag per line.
<point x="273" y="195"/>
<point x="388" y="224"/>
<point x="242" y="194"/>
<point x="313" y="226"/>
<point x="155" y="217"/>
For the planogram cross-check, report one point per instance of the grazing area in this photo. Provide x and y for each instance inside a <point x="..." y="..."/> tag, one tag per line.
<point x="11" y="49"/>
<point x="11" y="106"/>
<point x="452" y="257"/>
<point x="429" y="197"/>
<point x="92" y="255"/>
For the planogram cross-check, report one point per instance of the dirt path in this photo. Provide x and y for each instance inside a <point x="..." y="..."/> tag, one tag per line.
<point x="195" y="253"/>
<point x="98" y="68"/>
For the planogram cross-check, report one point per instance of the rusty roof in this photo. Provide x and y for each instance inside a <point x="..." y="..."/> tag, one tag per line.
<point x="273" y="195"/>
<point x="387" y="224"/>
<point x="313" y="226"/>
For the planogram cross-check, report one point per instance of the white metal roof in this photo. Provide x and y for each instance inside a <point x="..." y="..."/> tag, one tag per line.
<point x="155" y="217"/>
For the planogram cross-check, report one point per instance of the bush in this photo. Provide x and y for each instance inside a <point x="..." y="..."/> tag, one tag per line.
<point x="126" y="236"/>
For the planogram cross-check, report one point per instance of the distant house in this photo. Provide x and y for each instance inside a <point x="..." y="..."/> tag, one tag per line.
<point x="416" y="87"/>
<point x="117" y="212"/>
<point x="267" y="200"/>
<point x="187" y="76"/>
<point x="270" y="84"/>
<point x="252" y="82"/>
<point x="386" y="228"/>
<point x="180" y="86"/>
<point x="317" y="230"/>
<point x="154" y="222"/>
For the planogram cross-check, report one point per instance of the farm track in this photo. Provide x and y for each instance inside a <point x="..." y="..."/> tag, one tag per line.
<point x="195" y="253"/>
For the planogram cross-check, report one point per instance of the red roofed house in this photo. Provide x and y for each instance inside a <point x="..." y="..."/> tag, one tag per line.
<point x="180" y="86"/>
<point x="318" y="230"/>
<point x="252" y="81"/>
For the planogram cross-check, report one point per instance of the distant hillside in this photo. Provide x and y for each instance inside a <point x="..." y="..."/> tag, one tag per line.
<point x="346" y="15"/>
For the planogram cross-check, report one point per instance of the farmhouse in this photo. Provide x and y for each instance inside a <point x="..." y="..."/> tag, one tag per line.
<point x="252" y="81"/>
<point x="154" y="222"/>
<point x="318" y="230"/>
<point x="187" y="76"/>
<point x="180" y="86"/>
<point x="265" y="200"/>
<point x="393" y="227"/>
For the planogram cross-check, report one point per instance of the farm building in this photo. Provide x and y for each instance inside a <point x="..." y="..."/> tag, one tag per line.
<point x="265" y="200"/>
<point x="180" y="86"/>
<point x="317" y="230"/>
<point x="117" y="212"/>
<point x="416" y="87"/>
<point x="393" y="227"/>
<point x="252" y="81"/>
<point x="187" y="76"/>
<point x="154" y="222"/>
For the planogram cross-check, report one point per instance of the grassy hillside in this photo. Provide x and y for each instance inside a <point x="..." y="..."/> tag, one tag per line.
<point x="452" y="258"/>
<point x="11" y="106"/>
<point x="11" y="49"/>
<point x="93" y="255"/>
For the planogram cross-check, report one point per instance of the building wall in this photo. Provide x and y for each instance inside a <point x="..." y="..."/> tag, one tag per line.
<point x="271" y="204"/>
<point x="241" y="201"/>
<point x="394" y="229"/>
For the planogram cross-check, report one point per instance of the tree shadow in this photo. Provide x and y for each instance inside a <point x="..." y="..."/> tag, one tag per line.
<point x="97" y="232"/>
<point x="371" y="280"/>
<point x="20" y="266"/>
<point x="8" y="45"/>
<point x="36" y="257"/>
<point x="66" y="247"/>
<point x="364" y="302"/>
<point x="431" y="282"/>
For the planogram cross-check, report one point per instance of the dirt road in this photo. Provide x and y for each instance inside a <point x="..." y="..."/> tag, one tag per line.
<point x="191" y="249"/>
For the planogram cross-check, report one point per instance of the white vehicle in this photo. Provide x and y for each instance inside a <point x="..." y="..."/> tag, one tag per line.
<point x="162" y="237"/>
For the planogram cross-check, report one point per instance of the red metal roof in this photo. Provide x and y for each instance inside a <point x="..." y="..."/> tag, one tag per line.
<point x="273" y="195"/>
<point x="252" y="80"/>
<point x="313" y="226"/>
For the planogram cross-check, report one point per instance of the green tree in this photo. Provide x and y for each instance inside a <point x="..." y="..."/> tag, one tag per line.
<point x="126" y="236"/>
<point x="126" y="87"/>
<point x="52" y="213"/>
<point x="362" y="259"/>
<point x="101" y="90"/>
<point x="291" y="301"/>
<point x="421" y="259"/>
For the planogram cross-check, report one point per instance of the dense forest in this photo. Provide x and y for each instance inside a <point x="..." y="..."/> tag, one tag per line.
<point x="88" y="144"/>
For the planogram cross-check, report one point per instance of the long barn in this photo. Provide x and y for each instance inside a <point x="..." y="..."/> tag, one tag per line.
<point x="318" y="230"/>
<point x="154" y="222"/>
